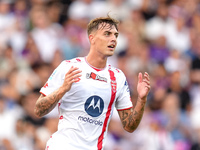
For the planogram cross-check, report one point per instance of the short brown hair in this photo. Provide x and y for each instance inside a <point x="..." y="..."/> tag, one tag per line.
<point x="94" y="24"/>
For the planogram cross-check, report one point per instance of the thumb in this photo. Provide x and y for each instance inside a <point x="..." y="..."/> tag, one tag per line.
<point x="140" y="77"/>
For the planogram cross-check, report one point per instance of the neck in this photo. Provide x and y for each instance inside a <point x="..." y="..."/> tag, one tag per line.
<point x="96" y="61"/>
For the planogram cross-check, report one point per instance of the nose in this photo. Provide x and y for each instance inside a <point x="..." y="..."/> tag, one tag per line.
<point x="114" y="38"/>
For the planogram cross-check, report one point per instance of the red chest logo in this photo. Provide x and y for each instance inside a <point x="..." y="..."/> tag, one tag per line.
<point x="95" y="76"/>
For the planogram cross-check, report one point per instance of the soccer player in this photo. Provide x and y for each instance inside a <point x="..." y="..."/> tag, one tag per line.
<point x="87" y="89"/>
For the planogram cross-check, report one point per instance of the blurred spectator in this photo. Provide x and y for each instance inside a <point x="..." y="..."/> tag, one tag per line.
<point x="8" y="119"/>
<point x="75" y="43"/>
<point x="7" y="62"/>
<point x="177" y="62"/>
<point x="182" y="92"/>
<point x="158" y="50"/>
<point x="149" y="8"/>
<point x="10" y="29"/>
<point x="30" y="53"/>
<point x="44" y="132"/>
<point x="54" y="10"/>
<point x="22" y="139"/>
<point x="38" y="2"/>
<point x="177" y="122"/>
<point x="178" y="36"/>
<point x="87" y="9"/>
<point x="42" y="71"/>
<point x="28" y="102"/>
<point x="18" y="78"/>
<point x="195" y="63"/>
<point x="196" y="145"/>
<point x="118" y="8"/>
<point x="45" y="34"/>
<point x="195" y="22"/>
<point x="139" y="60"/>
<point x="177" y="67"/>
<point x="157" y="26"/>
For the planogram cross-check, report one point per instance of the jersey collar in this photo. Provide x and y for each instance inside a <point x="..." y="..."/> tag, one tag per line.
<point x="97" y="69"/>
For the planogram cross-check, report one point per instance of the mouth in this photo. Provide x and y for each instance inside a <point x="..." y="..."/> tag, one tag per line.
<point x="112" y="46"/>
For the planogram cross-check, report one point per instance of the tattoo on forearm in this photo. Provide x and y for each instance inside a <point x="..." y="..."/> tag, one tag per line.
<point x="131" y="119"/>
<point x="124" y="124"/>
<point x="125" y="115"/>
<point x="45" y="104"/>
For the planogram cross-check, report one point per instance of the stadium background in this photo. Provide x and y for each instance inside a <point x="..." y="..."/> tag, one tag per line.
<point x="161" y="37"/>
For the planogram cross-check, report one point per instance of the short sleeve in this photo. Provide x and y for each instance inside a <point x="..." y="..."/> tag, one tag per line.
<point x="123" y="100"/>
<point x="55" y="80"/>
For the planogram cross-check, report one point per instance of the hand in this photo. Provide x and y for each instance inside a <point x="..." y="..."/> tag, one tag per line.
<point x="143" y="86"/>
<point x="70" y="77"/>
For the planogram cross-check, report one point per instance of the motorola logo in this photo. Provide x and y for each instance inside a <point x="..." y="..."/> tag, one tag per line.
<point x="94" y="106"/>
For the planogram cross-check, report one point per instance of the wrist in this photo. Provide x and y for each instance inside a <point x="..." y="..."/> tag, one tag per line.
<point x="143" y="100"/>
<point x="62" y="90"/>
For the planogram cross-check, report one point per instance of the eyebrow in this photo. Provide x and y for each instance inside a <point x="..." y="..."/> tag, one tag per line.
<point x="116" y="33"/>
<point x="112" y="32"/>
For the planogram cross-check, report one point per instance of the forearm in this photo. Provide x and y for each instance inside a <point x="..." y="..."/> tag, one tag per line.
<point x="131" y="118"/>
<point x="46" y="103"/>
<point x="137" y="114"/>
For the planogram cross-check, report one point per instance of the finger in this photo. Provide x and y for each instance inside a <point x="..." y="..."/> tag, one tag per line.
<point x="72" y="69"/>
<point x="74" y="79"/>
<point x="72" y="72"/>
<point x="146" y="81"/>
<point x="77" y="80"/>
<point x="75" y="72"/>
<point x="148" y="87"/>
<point x="140" y="77"/>
<point x="74" y="75"/>
<point x="146" y="75"/>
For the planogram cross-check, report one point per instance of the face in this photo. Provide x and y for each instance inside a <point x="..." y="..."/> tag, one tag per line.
<point x="104" y="40"/>
<point x="40" y="19"/>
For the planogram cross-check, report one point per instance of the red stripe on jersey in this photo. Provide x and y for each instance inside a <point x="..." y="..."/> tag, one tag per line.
<point x="113" y="90"/>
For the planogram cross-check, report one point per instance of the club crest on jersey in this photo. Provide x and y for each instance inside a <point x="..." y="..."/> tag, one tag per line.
<point x="95" y="76"/>
<point x="94" y="106"/>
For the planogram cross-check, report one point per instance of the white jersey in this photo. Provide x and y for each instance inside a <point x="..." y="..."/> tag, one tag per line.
<point x="86" y="109"/>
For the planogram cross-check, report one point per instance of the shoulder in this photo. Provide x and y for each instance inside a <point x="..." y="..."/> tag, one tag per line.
<point x="118" y="74"/>
<point x="73" y="61"/>
<point x="66" y="64"/>
<point x="76" y="60"/>
<point x="116" y="71"/>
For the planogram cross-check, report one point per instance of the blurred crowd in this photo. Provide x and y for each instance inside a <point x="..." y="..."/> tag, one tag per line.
<point x="161" y="37"/>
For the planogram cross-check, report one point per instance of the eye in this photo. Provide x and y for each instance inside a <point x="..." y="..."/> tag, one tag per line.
<point x="107" y="33"/>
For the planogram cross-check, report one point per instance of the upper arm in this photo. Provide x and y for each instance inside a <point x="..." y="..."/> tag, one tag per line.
<point x="123" y="100"/>
<point x="55" y="80"/>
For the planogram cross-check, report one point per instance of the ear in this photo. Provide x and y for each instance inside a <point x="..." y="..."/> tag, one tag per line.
<point x="91" y="38"/>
